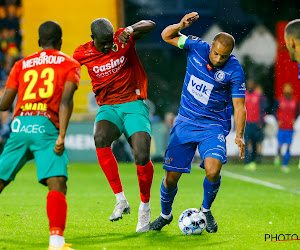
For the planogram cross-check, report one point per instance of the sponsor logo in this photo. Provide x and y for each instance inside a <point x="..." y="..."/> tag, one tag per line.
<point x="195" y="59"/>
<point x="42" y="59"/>
<point x="17" y="127"/>
<point x="34" y="106"/>
<point x="221" y="138"/>
<point x="109" y="68"/>
<point x="200" y="89"/>
<point x="219" y="75"/>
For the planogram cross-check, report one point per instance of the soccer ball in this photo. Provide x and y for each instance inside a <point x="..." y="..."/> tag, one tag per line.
<point x="192" y="221"/>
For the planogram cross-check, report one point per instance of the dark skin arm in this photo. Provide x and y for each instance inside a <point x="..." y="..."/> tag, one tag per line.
<point x="140" y="29"/>
<point x="7" y="99"/>
<point x="240" y="122"/>
<point x="65" y="111"/>
<point x="171" y="34"/>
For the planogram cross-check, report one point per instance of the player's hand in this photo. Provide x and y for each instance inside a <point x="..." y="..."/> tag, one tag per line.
<point x="188" y="19"/>
<point x="241" y="145"/>
<point x="59" y="145"/>
<point x="124" y="37"/>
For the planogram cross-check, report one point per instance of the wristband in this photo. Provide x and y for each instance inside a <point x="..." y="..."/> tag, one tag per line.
<point x="129" y="30"/>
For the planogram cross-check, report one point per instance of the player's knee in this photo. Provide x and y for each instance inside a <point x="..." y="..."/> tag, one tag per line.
<point x="2" y="185"/>
<point x="57" y="184"/>
<point x="170" y="181"/>
<point x="213" y="175"/>
<point x="141" y="158"/>
<point x="101" y="140"/>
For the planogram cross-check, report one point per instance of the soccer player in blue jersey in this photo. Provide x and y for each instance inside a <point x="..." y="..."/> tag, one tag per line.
<point x="214" y="81"/>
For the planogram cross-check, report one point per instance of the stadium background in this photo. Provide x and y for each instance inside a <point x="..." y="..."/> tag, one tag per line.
<point x="260" y="48"/>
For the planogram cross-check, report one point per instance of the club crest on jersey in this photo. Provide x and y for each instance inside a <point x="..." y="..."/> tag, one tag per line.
<point x="115" y="47"/>
<point x="219" y="75"/>
<point x="221" y="138"/>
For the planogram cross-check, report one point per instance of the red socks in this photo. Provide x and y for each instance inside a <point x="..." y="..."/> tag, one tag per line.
<point x="109" y="166"/>
<point x="145" y="176"/>
<point x="57" y="212"/>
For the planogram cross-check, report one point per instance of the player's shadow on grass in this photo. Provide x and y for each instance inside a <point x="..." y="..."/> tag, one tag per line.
<point x="146" y="240"/>
<point x="104" y="238"/>
<point x="17" y="244"/>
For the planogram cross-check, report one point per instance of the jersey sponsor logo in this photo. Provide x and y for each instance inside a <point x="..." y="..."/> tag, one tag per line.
<point x="34" y="106"/>
<point x="199" y="63"/>
<point x="109" y="68"/>
<point x="42" y="59"/>
<point x="17" y="127"/>
<point x="200" y="89"/>
<point x="219" y="75"/>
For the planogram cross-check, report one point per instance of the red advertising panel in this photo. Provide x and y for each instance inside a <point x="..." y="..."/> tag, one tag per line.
<point x="285" y="69"/>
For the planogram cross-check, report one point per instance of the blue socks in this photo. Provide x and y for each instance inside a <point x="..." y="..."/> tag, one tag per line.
<point x="210" y="192"/>
<point x="166" y="198"/>
<point x="286" y="157"/>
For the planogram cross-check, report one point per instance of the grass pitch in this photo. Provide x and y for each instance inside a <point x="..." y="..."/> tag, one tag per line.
<point x="244" y="211"/>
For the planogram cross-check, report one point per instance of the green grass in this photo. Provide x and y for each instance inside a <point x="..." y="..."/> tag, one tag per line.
<point x="245" y="211"/>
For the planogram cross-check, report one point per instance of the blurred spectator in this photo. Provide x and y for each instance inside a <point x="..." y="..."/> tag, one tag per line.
<point x="10" y="51"/>
<point x="255" y="105"/>
<point x="286" y="111"/>
<point x="265" y="105"/>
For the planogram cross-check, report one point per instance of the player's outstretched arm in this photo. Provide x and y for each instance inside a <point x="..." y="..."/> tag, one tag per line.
<point x="7" y="99"/>
<point x="240" y="121"/>
<point x="138" y="30"/>
<point x="65" y="112"/>
<point x="171" y="33"/>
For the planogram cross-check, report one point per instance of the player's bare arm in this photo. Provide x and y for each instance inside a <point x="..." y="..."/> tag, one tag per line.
<point x="240" y="121"/>
<point x="65" y="111"/>
<point x="7" y="99"/>
<point x="171" y="34"/>
<point x="138" y="30"/>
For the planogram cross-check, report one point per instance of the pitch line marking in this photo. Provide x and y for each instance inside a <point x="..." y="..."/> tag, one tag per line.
<point x="257" y="181"/>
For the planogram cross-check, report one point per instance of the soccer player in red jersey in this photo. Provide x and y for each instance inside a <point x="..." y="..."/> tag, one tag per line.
<point x="286" y="110"/>
<point x="45" y="83"/>
<point x="120" y="86"/>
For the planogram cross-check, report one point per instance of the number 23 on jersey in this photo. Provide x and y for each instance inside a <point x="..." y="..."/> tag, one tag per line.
<point x="32" y="76"/>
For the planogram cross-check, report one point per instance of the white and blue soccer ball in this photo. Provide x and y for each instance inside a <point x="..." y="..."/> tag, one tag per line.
<point x="192" y="221"/>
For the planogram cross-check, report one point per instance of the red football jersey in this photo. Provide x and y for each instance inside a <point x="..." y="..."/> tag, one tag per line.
<point x="117" y="77"/>
<point x="40" y="79"/>
<point x="287" y="112"/>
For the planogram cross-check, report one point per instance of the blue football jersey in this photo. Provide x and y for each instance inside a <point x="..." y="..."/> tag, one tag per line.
<point x="206" y="98"/>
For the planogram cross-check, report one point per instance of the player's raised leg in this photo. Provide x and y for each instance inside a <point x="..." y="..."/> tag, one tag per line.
<point x="211" y="185"/>
<point x="140" y="143"/>
<point x="105" y="132"/>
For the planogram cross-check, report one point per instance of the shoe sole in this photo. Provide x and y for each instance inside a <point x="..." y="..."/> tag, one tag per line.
<point x="126" y="211"/>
